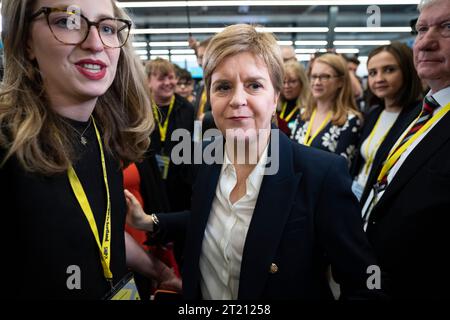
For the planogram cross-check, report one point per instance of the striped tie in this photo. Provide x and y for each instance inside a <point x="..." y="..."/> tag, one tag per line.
<point x="428" y="107"/>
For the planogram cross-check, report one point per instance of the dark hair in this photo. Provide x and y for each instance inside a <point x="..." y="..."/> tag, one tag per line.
<point x="183" y="74"/>
<point x="411" y="91"/>
<point x="352" y="59"/>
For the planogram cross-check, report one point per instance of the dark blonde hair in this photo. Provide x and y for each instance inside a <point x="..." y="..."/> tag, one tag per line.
<point x="159" y="66"/>
<point x="300" y="74"/>
<point x="29" y="127"/>
<point x="344" y="102"/>
<point x="241" y="38"/>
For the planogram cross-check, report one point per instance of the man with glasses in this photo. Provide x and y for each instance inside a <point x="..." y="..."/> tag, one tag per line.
<point x="407" y="214"/>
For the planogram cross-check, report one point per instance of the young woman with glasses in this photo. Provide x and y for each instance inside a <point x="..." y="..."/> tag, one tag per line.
<point x="330" y="120"/>
<point x="74" y="108"/>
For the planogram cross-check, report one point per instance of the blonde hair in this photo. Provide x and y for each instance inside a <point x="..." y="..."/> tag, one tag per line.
<point x="159" y="66"/>
<point x="28" y="125"/>
<point x="299" y="72"/>
<point x="241" y="38"/>
<point x="344" y="102"/>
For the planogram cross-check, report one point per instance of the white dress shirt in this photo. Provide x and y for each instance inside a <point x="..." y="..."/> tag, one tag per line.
<point x="226" y="230"/>
<point x="443" y="98"/>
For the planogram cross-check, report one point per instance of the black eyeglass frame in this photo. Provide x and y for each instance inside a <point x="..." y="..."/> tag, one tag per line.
<point x="48" y="10"/>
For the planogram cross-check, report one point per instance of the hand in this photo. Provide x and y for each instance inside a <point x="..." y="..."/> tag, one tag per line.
<point x="192" y="43"/>
<point x="136" y="217"/>
<point x="169" y="281"/>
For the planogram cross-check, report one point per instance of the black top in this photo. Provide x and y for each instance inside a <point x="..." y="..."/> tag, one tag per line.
<point x="178" y="182"/>
<point x="50" y="231"/>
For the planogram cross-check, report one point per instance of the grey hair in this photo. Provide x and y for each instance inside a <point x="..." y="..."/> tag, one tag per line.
<point x="425" y="3"/>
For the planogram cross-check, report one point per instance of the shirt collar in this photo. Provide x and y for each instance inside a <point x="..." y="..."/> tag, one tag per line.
<point x="442" y="96"/>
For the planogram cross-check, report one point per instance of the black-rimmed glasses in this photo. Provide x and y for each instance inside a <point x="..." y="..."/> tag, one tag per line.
<point x="72" y="28"/>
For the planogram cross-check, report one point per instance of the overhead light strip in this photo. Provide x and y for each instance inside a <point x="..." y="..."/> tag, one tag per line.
<point x="273" y="30"/>
<point x="166" y="4"/>
<point x="361" y="42"/>
<point x="372" y="29"/>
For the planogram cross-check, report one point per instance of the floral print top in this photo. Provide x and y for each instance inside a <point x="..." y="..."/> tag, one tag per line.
<point x="341" y="140"/>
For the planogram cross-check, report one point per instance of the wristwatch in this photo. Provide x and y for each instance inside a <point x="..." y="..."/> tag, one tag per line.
<point x="155" y="221"/>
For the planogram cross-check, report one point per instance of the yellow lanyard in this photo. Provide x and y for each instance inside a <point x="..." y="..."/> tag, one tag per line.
<point x="201" y="106"/>
<point x="308" y="140"/>
<point x="393" y="156"/>
<point x="283" y="110"/>
<point x="371" y="155"/>
<point x="105" y="246"/>
<point x="163" y="128"/>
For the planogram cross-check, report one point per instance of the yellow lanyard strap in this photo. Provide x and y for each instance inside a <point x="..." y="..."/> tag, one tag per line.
<point x="371" y="155"/>
<point x="283" y="111"/>
<point x="163" y="128"/>
<point x="201" y="106"/>
<point x="393" y="156"/>
<point x="308" y="140"/>
<point x="105" y="246"/>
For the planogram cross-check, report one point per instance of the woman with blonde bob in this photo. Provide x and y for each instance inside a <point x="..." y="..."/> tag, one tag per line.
<point x="330" y="120"/>
<point x="74" y="108"/>
<point x="293" y="97"/>
<point x="254" y="233"/>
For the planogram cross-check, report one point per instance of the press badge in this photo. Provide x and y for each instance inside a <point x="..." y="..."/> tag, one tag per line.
<point x="125" y="289"/>
<point x="163" y="165"/>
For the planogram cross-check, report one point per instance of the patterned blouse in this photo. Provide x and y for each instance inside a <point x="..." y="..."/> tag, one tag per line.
<point x="341" y="140"/>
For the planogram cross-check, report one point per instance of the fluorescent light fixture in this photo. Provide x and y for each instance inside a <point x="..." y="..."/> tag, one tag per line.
<point x="169" y="44"/>
<point x="347" y="50"/>
<point x="216" y="30"/>
<point x="143" y="58"/>
<point x="313" y="50"/>
<point x="292" y="29"/>
<point x="159" y="51"/>
<point x="372" y="29"/>
<point x="141" y="52"/>
<point x="254" y="3"/>
<point x="311" y="43"/>
<point x="361" y="42"/>
<point x="182" y="51"/>
<point x="303" y="57"/>
<point x="139" y="44"/>
<point x="176" y="30"/>
<point x="284" y="43"/>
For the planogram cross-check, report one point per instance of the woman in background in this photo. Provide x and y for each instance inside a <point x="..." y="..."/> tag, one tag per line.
<point x="330" y="121"/>
<point x="293" y="96"/>
<point x="395" y="90"/>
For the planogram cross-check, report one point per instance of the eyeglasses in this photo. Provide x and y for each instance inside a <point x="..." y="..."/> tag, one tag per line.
<point x="443" y="29"/>
<point x="322" y="77"/>
<point x="72" y="28"/>
<point x="290" y="83"/>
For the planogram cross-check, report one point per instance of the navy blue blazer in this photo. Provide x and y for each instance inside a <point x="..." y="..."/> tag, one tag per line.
<point x="306" y="217"/>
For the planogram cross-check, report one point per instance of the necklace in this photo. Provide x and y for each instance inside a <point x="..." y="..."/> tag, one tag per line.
<point x="83" y="139"/>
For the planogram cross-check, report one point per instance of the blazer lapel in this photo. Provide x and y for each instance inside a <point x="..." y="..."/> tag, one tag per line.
<point x="269" y="217"/>
<point x="421" y="153"/>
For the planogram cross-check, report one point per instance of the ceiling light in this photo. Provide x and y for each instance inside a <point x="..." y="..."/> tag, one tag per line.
<point x="169" y="44"/>
<point x="284" y="43"/>
<point x="216" y="30"/>
<point x="372" y="29"/>
<point x="140" y="52"/>
<point x="311" y="43"/>
<point x="182" y="51"/>
<point x="159" y="52"/>
<point x="361" y="42"/>
<point x="346" y="50"/>
<point x="139" y="44"/>
<point x="166" y="4"/>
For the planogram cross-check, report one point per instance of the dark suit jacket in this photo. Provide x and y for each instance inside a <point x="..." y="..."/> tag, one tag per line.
<point x="305" y="217"/>
<point x="409" y="226"/>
